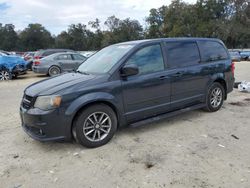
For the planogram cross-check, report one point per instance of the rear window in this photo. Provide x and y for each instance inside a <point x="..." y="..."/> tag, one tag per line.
<point x="38" y="53"/>
<point x="212" y="51"/>
<point x="181" y="54"/>
<point x="47" y="53"/>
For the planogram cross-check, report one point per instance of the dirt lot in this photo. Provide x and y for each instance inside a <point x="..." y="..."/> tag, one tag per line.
<point x="195" y="149"/>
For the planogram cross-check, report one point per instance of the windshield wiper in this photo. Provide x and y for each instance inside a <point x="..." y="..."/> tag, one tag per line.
<point x="81" y="72"/>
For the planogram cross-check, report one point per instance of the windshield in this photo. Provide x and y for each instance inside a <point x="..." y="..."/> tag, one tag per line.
<point x="2" y="54"/>
<point x="105" y="59"/>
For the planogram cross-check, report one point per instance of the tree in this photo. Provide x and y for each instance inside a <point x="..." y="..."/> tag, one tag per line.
<point x="8" y="37"/>
<point x="97" y="37"/>
<point x="63" y="40"/>
<point x="224" y="19"/>
<point x="121" y="30"/>
<point x="156" y="22"/>
<point x="35" y="37"/>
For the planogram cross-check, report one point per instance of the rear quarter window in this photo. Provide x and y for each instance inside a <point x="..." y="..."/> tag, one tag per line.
<point x="212" y="51"/>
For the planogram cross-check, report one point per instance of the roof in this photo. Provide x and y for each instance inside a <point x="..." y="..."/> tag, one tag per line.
<point x="166" y="39"/>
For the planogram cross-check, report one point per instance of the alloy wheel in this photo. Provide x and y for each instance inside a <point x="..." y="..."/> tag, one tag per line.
<point x="54" y="71"/>
<point x="4" y="75"/>
<point x="216" y="97"/>
<point x="97" y="126"/>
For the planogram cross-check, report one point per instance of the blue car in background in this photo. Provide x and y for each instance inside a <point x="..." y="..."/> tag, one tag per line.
<point x="11" y="66"/>
<point x="245" y="55"/>
<point x="235" y="56"/>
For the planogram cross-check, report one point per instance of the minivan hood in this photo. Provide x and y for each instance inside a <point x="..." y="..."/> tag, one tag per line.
<point x="52" y="85"/>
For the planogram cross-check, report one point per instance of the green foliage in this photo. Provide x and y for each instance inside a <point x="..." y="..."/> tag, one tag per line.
<point x="121" y="31"/>
<point x="34" y="37"/>
<point x="8" y="37"/>
<point x="228" y="20"/>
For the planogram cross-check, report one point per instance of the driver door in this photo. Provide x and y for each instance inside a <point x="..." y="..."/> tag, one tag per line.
<point x="147" y="93"/>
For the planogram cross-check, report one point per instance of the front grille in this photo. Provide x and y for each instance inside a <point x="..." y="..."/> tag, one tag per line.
<point x="27" y="101"/>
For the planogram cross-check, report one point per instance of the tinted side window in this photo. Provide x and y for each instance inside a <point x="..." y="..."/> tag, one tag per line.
<point x="181" y="54"/>
<point x="212" y="51"/>
<point x="64" y="57"/>
<point x="148" y="59"/>
<point x="78" y="57"/>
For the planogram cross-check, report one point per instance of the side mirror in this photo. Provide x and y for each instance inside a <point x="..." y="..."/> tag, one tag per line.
<point x="129" y="70"/>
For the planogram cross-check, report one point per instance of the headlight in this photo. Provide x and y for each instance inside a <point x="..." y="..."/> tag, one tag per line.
<point x="48" y="102"/>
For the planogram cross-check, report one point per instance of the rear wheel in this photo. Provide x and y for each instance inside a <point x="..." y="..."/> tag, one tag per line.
<point x="215" y="97"/>
<point x="5" y="75"/>
<point x="54" y="70"/>
<point x="95" y="126"/>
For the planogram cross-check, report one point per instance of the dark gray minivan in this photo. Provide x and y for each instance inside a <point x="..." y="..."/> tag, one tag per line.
<point x="128" y="83"/>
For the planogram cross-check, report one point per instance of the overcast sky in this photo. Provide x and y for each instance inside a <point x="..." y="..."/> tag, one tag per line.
<point x="56" y="15"/>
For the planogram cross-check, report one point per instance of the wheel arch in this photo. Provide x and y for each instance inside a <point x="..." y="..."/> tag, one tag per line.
<point x="219" y="78"/>
<point x="55" y="66"/>
<point x="88" y="100"/>
<point x="223" y="83"/>
<point x="83" y="107"/>
<point x="4" y="67"/>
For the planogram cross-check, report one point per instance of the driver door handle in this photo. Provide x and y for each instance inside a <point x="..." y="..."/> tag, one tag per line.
<point x="178" y="74"/>
<point x="163" y="77"/>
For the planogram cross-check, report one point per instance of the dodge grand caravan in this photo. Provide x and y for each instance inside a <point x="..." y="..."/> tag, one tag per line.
<point x="128" y="83"/>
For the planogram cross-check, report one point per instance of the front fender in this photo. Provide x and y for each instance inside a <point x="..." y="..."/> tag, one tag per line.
<point x="5" y="66"/>
<point x="90" y="98"/>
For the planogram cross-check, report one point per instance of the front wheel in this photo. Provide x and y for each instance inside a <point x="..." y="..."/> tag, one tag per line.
<point x="5" y="75"/>
<point x="95" y="126"/>
<point x="215" y="97"/>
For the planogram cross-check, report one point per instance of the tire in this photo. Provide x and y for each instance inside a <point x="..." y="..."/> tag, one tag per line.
<point x="54" y="70"/>
<point x="14" y="76"/>
<point x="5" y="75"/>
<point x="95" y="126"/>
<point x="215" y="97"/>
<point x="29" y="66"/>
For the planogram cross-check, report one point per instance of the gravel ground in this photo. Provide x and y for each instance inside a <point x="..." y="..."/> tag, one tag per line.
<point x="195" y="149"/>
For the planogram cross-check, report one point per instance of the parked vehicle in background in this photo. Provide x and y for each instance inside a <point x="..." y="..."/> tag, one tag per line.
<point x="128" y="83"/>
<point x="4" y="52"/>
<point x="235" y="56"/>
<point x="11" y="66"/>
<point x="57" y="63"/>
<point x="29" y="57"/>
<point x="44" y="53"/>
<point x="245" y="55"/>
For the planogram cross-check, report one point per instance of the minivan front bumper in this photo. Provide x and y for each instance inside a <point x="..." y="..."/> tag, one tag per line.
<point x="45" y="125"/>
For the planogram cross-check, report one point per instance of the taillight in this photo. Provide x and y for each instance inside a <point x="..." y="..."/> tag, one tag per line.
<point x="233" y="67"/>
<point x="37" y="63"/>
